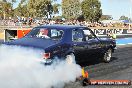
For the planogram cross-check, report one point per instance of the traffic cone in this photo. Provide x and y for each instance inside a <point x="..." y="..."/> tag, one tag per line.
<point x="86" y="81"/>
<point x="84" y="73"/>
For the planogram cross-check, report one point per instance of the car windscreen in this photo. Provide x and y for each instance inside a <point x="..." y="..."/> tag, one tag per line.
<point x="46" y="33"/>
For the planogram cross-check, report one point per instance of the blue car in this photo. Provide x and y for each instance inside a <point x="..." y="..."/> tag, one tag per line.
<point x="67" y="42"/>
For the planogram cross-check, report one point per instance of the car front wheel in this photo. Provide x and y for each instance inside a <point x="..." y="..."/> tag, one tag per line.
<point x="107" y="56"/>
<point x="70" y="58"/>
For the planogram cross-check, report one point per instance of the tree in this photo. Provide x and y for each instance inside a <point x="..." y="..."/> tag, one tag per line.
<point x="11" y="1"/>
<point x="4" y="0"/>
<point x="23" y="1"/>
<point x="39" y="8"/>
<point x="56" y="8"/>
<point x="106" y="17"/>
<point x="91" y="9"/>
<point x="21" y="10"/>
<point x="124" y="18"/>
<point x="5" y="9"/>
<point x="31" y="8"/>
<point x="71" y="9"/>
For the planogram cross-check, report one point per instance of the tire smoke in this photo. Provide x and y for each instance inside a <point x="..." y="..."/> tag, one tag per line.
<point x="23" y="68"/>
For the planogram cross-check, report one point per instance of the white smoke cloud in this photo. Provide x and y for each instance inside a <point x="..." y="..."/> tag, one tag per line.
<point x="22" y="68"/>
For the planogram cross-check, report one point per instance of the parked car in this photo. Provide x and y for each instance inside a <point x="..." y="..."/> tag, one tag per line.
<point x="66" y="41"/>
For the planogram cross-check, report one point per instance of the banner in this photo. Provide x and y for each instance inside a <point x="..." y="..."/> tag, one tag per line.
<point x="115" y="31"/>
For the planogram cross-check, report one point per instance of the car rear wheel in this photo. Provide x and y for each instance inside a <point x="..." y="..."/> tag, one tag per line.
<point x="70" y="58"/>
<point x="107" y="56"/>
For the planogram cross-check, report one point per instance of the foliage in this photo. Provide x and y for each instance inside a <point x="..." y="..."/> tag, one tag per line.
<point x="91" y="9"/>
<point x="56" y="8"/>
<point x="58" y="17"/>
<point x="41" y="8"/>
<point x="106" y="17"/>
<point x="5" y="9"/>
<point x="124" y="18"/>
<point x="71" y="9"/>
<point x="21" y="11"/>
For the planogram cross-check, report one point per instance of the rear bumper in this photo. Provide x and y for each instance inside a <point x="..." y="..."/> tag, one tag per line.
<point x="47" y="61"/>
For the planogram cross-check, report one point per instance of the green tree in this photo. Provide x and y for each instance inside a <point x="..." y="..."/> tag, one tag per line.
<point x="23" y="1"/>
<point x="39" y="8"/>
<point x="21" y="10"/>
<point x="31" y="8"/>
<point x="4" y="0"/>
<point x="71" y="9"/>
<point x="124" y="18"/>
<point x="5" y="9"/>
<point x="36" y="8"/>
<point x="106" y="17"/>
<point x="56" y="8"/>
<point x="91" y="9"/>
<point x="11" y="1"/>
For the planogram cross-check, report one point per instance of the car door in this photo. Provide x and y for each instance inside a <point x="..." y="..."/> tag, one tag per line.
<point x="93" y="44"/>
<point x="79" y="44"/>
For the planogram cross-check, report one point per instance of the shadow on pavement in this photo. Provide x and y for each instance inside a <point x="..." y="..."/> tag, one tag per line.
<point x="113" y="59"/>
<point x="94" y="62"/>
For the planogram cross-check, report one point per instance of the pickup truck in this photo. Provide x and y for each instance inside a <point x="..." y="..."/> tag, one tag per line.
<point x="69" y="42"/>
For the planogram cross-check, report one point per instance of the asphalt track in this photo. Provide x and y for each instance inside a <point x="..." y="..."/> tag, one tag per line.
<point x="119" y="68"/>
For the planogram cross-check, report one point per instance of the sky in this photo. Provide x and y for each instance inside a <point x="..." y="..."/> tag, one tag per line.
<point x="115" y="8"/>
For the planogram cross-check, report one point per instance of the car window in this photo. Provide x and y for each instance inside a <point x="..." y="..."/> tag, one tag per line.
<point x="55" y="34"/>
<point x="88" y="35"/>
<point x="43" y="33"/>
<point x="77" y="35"/>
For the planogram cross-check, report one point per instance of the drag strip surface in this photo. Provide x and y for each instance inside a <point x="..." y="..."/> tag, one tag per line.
<point x="119" y="68"/>
<point x="121" y="60"/>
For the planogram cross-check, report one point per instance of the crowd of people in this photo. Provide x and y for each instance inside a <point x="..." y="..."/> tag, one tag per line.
<point x="36" y="22"/>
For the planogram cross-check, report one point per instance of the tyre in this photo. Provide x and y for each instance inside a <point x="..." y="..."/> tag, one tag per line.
<point x="86" y="82"/>
<point x="70" y="58"/>
<point x="107" y="56"/>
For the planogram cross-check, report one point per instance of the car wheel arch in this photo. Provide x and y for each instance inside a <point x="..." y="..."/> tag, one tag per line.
<point x="70" y="58"/>
<point x="107" y="55"/>
<point x="112" y="48"/>
<point x="69" y="52"/>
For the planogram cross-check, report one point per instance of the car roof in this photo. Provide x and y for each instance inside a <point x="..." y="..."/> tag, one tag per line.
<point x="60" y="26"/>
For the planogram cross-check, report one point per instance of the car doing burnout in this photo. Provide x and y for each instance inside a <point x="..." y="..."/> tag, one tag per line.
<point x="66" y="41"/>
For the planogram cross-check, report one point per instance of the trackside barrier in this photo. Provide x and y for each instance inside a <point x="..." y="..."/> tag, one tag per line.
<point x="115" y="31"/>
<point x="11" y="34"/>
